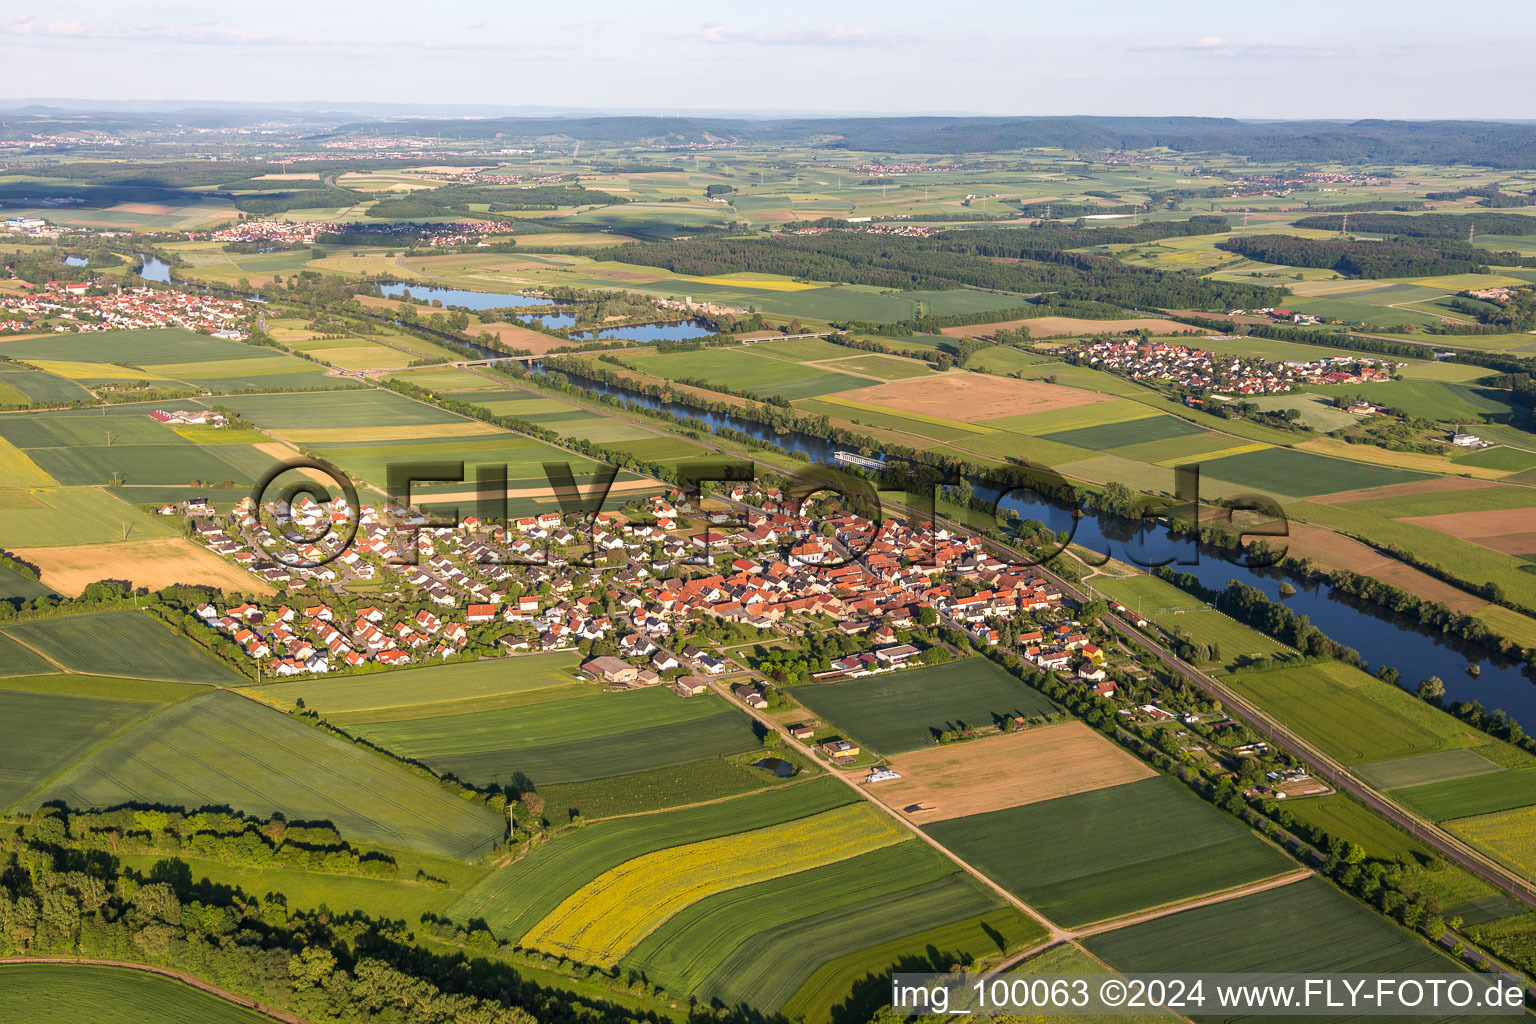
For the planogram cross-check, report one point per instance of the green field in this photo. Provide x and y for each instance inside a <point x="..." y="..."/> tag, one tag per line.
<point x="125" y="643"/>
<point x="174" y="354"/>
<point x="1355" y="717"/>
<point x="1433" y="400"/>
<point x="1111" y="852"/>
<point x="43" y="732"/>
<point x="70" y="993"/>
<point x="767" y="970"/>
<point x="126" y="447"/>
<point x="43" y="388"/>
<point x="1127" y="432"/>
<point x="592" y="736"/>
<point x="743" y="369"/>
<point x="1424" y="769"/>
<point x="219" y="749"/>
<point x="1302" y="474"/>
<point x="856" y="982"/>
<point x="76" y="515"/>
<point x="1308" y="926"/>
<point x="1499" y="457"/>
<point x="345" y="409"/>
<point x="437" y="685"/>
<point x="1176" y="611"/>
<point x="516" y="897"/>
<point x="688" y="950"/>
<point x="1341" y="816"/>
<point x="905" y="710"/>
<point x="1477" y="794"/>
<point x="672" y="785"/>
<point x="1479" y="499"/>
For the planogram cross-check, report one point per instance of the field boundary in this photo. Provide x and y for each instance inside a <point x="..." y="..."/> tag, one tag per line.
<point x="190" y="980"/>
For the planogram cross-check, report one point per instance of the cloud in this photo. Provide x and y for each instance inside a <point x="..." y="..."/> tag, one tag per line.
<point x="1215" y="46"/>
<point x="851" y="36"/>
<point x="202" y="34"/>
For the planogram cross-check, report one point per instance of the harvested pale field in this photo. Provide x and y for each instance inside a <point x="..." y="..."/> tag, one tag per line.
<point x="1314" y="289"/>
<point x="513" y="336"/>
<point x="1067" y="326"/>
<point x="619" y="487"/>
<point x="144" y="563"/>
<point x="402" y="432"/>
<point x="282" y="453"/>
<point x="1435" y="486"/>
<point x="1335" y="551"/>
<point x="1005" y="771"/>
<point x="571" y="238"/>
<point x="972" y="397"/>
<point x="151" y="208"/>
<point x="1505" y="530"/>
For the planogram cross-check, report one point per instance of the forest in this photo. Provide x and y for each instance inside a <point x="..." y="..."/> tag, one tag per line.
<point x="953" y="259"/>
<point x="1370" y="259"/>
<point x="1428" y="225"/>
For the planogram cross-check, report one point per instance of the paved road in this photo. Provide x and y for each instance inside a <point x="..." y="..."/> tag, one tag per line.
<point x="1056" y="932"/>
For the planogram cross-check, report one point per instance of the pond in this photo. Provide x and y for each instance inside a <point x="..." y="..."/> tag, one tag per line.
<point x="460" y="297"/>
<point x="681" y="331"/>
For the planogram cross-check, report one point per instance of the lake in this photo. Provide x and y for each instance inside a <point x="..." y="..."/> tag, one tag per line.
<point x="459" y="297"/>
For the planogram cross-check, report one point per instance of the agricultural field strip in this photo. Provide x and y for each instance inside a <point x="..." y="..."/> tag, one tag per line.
<point x="689" y="947"/>
<point x="1112" y="852"/>
<point x="517" y="897"/>
<point x="606" y="918"/>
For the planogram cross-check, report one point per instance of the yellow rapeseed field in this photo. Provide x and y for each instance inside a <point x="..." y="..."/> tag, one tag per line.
<point x="606" y="918"/>
<point x="70" y="370"/>
<point x="1509" y="835"/>
<point x="18" y="470"/>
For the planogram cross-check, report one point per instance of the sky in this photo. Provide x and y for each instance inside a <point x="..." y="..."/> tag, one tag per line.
<point x="1339" y="59"/>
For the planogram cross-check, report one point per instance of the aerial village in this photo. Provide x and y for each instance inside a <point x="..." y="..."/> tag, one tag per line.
<point x="675" y="596"/>
<point x="283" y="233"/>
<point x="66" y="307"/>
<point x="755" y="566"/>
<point x="1197" y="371"/>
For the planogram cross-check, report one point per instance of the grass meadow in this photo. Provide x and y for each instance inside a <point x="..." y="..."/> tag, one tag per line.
<point x="1353" y="716"/>
<point x="904" y="710"/>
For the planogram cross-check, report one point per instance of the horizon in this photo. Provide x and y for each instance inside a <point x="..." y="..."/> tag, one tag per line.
<point x="885" y="60"/>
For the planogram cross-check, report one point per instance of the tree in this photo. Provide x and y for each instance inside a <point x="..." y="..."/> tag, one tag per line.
<point x="1431" y="689"/>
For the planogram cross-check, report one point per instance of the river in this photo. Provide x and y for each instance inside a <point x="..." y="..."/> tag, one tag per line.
<point x="1381" y="637"/>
